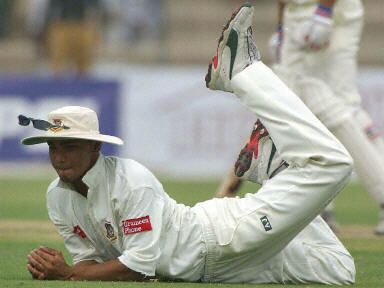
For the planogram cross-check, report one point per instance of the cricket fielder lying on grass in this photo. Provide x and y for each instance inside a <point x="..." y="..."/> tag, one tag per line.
<point x="119" y="224"/>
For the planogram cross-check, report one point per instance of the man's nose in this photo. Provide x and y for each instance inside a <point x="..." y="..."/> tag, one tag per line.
<point x="58" y="156"/>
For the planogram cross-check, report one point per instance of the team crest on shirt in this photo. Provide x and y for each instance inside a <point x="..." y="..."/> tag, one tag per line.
<point x="109" y="232"/>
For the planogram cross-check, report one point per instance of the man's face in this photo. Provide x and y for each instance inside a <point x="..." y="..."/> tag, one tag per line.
<point x="72" y="158"/>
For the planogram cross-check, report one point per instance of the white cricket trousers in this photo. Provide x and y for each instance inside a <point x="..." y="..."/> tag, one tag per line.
<point x="250" y="239"/>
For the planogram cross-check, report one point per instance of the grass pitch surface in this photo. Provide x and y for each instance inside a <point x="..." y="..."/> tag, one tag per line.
<point x="24" y="225"/>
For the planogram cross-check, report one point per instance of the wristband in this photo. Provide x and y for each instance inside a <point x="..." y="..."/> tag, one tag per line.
<point x="323" y="11"/>
<point x="323" y="14"/>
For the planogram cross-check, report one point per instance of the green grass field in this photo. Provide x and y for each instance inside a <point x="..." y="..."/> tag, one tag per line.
<point x="24" y="225"/>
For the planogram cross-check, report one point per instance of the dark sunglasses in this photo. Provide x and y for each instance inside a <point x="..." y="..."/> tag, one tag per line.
<point x="38" y="124"/>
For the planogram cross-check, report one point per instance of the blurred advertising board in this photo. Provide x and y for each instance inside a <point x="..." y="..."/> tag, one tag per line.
<point x="177" y="127"/>
<point x="168" y="119"/>
<point x="36" y="96"/>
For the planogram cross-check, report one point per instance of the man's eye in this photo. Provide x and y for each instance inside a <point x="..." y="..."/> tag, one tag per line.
<point x="76" y="147"/>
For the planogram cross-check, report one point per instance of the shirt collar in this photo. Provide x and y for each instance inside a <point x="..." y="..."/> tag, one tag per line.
<point x="65" y="185"/>
<point x="92" y="177"/>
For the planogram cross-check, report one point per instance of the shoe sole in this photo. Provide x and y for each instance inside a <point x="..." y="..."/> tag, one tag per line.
<point x="221" y="45"/>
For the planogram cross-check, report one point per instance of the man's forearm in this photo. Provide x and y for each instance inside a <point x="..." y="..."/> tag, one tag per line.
<point x="280" y="12"/>
<point x="112" y="270"/>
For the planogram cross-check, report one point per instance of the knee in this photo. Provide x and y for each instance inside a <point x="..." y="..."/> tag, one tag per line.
<point x="333" y="170"/>
<point x="336" y="164"/>
<point x="345" y="168"/>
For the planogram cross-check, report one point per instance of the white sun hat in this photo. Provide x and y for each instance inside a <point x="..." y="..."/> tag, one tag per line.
<point x="71" y="122"/>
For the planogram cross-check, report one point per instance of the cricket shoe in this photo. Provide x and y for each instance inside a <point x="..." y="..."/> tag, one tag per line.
<point x="236" y="50"/>
<point x="259" y="160"/>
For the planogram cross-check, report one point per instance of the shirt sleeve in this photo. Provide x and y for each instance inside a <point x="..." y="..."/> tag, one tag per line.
<point x="81" y="249"/>
<point x="141" y="224"/>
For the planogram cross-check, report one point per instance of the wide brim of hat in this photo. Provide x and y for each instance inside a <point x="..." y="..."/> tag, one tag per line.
<point x="95" y="137"/>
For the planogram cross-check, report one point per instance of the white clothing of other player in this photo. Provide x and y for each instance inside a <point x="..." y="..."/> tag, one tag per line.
<point x="272" y="236"/>
<point x="321" y="44"/>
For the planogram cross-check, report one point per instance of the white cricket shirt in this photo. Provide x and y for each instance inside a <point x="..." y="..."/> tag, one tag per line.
<point x="127" y="215"/>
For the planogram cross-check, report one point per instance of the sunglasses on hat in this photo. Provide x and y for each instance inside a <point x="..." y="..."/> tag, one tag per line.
<point x="38" y="124"/>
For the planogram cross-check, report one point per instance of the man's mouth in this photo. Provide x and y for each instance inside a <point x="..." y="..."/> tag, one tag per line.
<point x="62" y="169"/>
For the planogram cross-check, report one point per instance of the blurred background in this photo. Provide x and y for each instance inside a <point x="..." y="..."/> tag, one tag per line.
<point x="179" y="32"/>
<point x="141" y="66"/>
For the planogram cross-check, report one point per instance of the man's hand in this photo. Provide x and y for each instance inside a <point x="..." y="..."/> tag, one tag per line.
<point x="315" y="33"/>
<point x="48" y="264"/>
